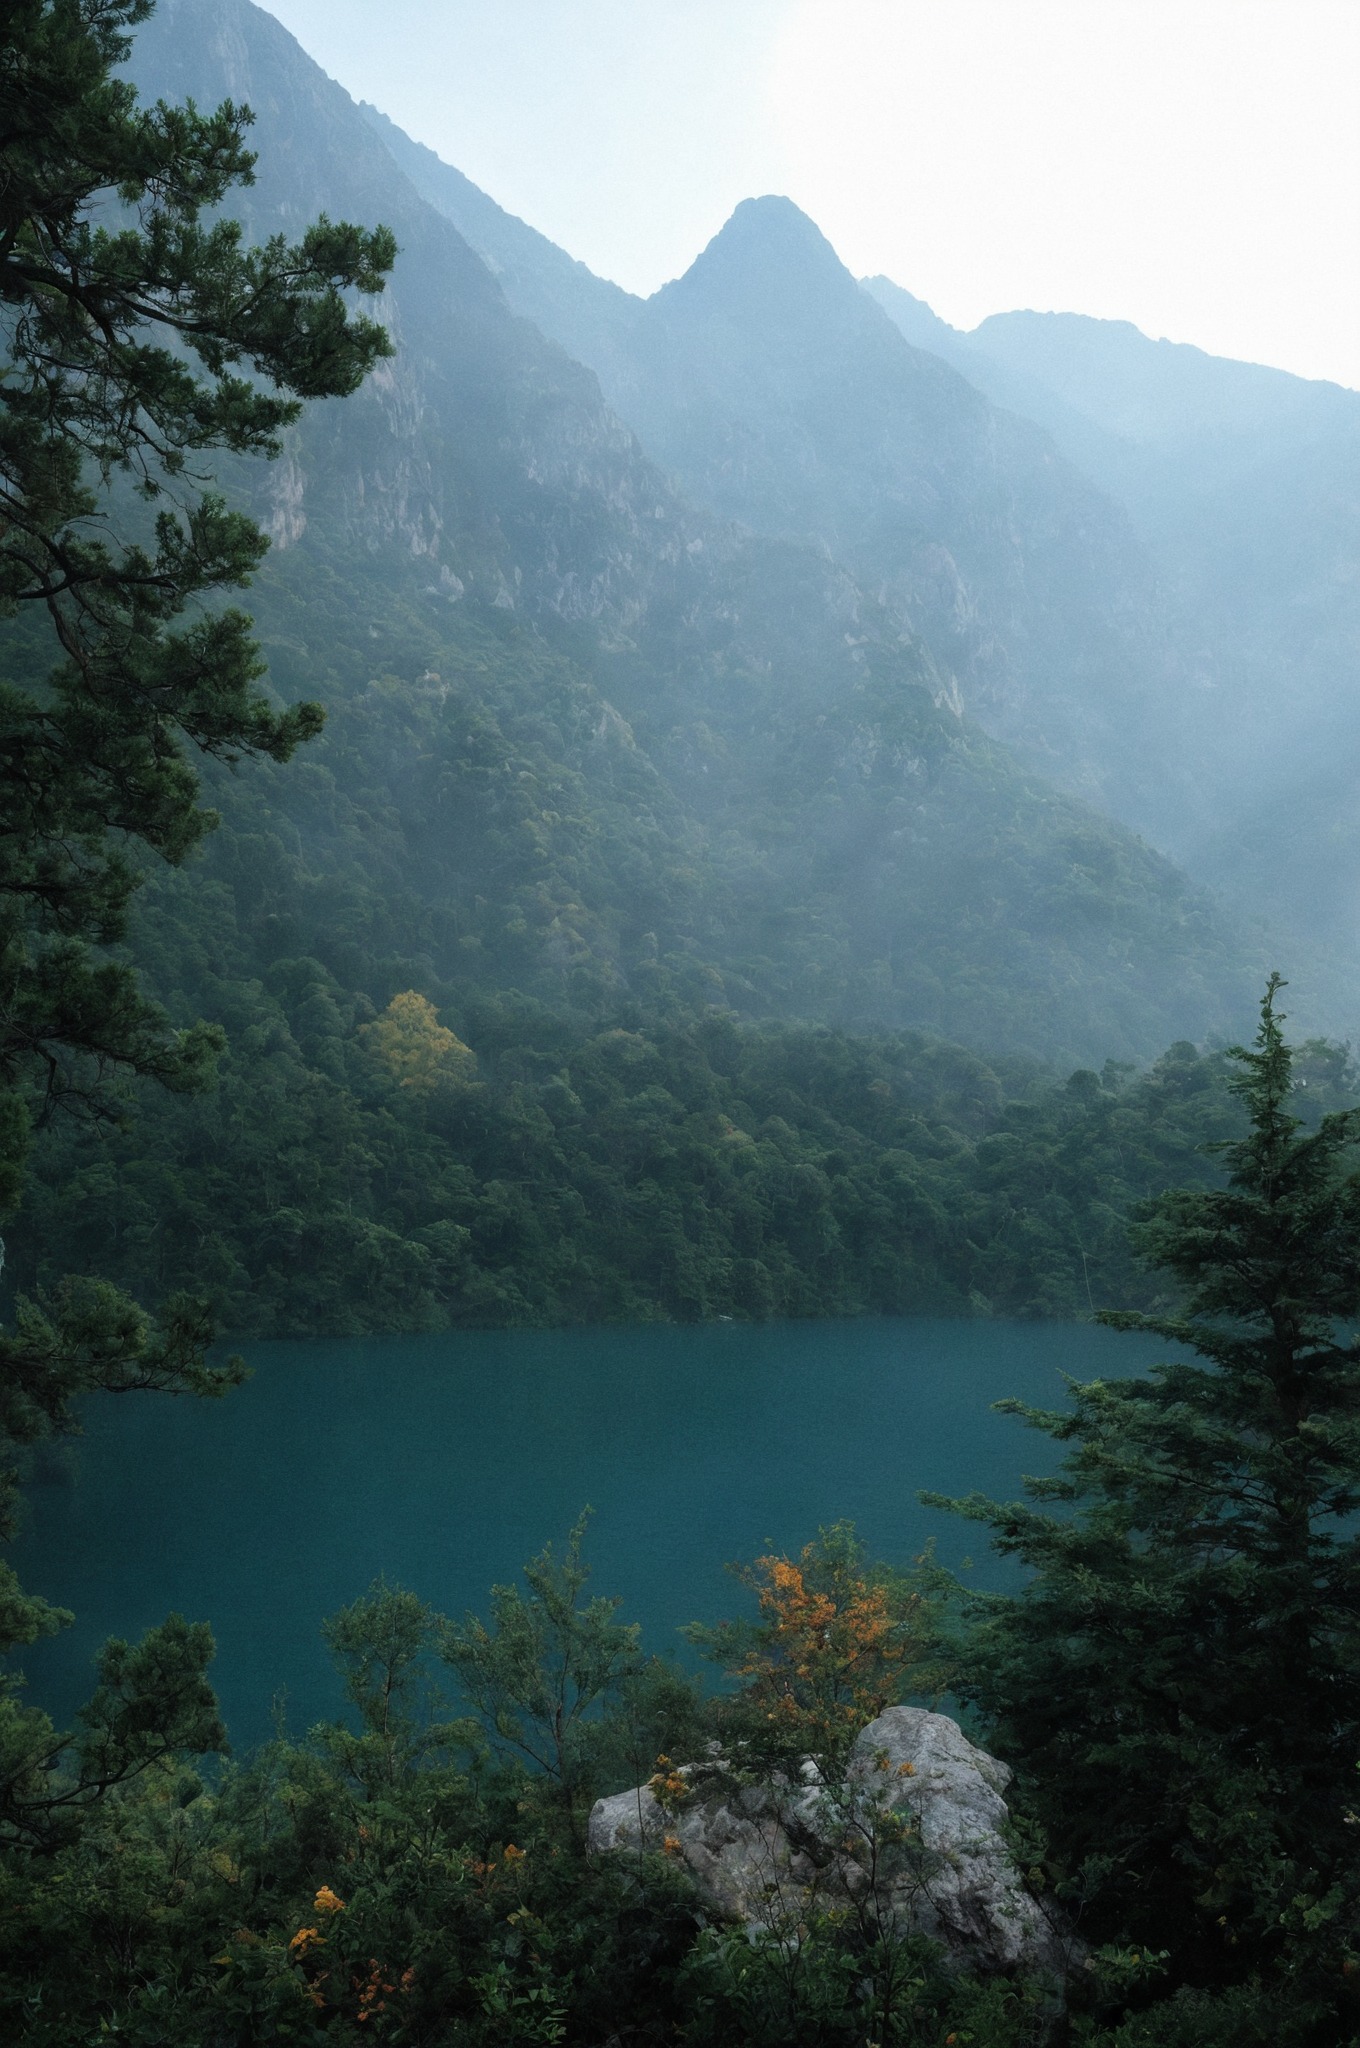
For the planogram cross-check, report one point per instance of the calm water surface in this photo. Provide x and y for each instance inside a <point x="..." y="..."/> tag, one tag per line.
<point x="443" y="1462"/>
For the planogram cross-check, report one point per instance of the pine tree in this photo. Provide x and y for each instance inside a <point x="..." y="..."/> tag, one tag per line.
<point x="1179" y="1681"/>
<point x="138" y="333"/>
<point x="135" y="337"/>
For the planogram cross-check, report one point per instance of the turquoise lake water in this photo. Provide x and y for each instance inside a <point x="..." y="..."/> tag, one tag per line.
<point x="443" y="1462"/>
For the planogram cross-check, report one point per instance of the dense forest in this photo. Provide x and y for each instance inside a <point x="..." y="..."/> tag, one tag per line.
<point x="624" y="1125"/>
<point x="356" y="1170"/>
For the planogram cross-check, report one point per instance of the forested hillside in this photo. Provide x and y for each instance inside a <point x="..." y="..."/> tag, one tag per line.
<point x="876" y="858"/>
<point x="628" y="823"/>
<point x="628" y="1138"/>
<point x="1134" y="559"/>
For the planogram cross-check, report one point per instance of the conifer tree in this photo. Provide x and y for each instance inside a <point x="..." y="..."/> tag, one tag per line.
<point x="1179" y="1681"/>
<point x="138" y="333"/>
<point x="548" y="1662"/>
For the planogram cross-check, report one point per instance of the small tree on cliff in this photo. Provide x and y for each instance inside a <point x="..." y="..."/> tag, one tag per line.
<point x="1179" y="1683"/>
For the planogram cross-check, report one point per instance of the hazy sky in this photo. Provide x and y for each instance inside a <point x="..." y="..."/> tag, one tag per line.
<point x="1191" y="165"/>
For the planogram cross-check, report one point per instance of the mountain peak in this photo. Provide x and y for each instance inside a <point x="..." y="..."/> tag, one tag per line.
<point x="772" y="221"/>
<point x="769" y="254"/>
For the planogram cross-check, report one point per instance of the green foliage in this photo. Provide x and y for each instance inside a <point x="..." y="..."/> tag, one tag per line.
<point x="382" y="1644"/>
<point x="654" y="1710"/>
<point x="85" y="1336"/>
<point x="1252" y="2015"/>
<point x="680" y="1165"/>
<point x="356" y="1887"/>
<point x="139" y="333"/>
<point x="1179" y="1682"/>
<point x="819" y="1987"/>
<point x="640" y="1137"/>
<point x="548" y="1660"/>
<point x="360" y="1887"/>
<point x="153" y="1703"/>
<point x="108" y="310"/>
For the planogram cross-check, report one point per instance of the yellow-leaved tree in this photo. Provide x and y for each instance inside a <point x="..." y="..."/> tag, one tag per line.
<point x="420" y="1052"/>
<point x="836" y="1641"/>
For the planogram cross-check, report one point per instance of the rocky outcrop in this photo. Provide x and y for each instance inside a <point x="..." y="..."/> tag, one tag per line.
<point x="910" y="1841"/>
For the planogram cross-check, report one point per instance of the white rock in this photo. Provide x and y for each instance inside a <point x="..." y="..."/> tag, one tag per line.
<point x="910" y="1841"/>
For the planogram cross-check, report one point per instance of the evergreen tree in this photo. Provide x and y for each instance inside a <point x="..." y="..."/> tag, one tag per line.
<point x="137" y="332"/>
<point x="135" y="337"/>
<point x="1179" y="1681"/>
<point x="547" y="1664"/>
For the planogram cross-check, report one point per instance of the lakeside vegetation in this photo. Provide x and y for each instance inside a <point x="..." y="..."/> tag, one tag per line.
<point x="537" y="1169"/>
<point x="1176" y="1685"/>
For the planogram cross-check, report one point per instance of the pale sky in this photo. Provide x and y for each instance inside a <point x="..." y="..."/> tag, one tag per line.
<point x="1190" y="165"/>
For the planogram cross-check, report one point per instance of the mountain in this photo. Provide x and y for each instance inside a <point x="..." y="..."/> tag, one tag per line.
<point x="793" y="805"/>
<point x="1243" y="483"/>
<point x="1134" y="560"/>
<point x="1006" y="382"/>
<point x="776" y="397"/>
<point x="589" y="316"/>
<point x="780" y="396"/>
<point x="481" y="443"/>
<point x="1150" y="394"/>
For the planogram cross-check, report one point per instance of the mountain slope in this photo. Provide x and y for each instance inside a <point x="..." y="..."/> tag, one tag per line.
<point x="481" y="442"/>
<point x="799" y="822"/>
<point x="765" y="380"/>
<point x="1244" y="484"/>
<point x="1196" y="679"/>
<point x="636" y="804"/>
<point x="589" y="316"/>
<point x="764" y="383"/>
<point x="1005" y="381"/>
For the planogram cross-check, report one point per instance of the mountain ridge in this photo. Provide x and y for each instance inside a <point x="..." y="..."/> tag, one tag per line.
<point x="852" y="850"/>
<point x="1170" y="711"/>
<point x="1244" y="484"/>
<point x="699" y="390"/>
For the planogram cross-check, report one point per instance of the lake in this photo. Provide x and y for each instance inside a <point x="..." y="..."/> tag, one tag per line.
<point x="443" y="1462"/>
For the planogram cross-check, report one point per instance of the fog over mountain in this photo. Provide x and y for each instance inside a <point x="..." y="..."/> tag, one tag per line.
<point x="794" y="566"/>
<point x="1243" y="483"/>
<point x="1138" y="560"/>
<point x="779" y="397"/>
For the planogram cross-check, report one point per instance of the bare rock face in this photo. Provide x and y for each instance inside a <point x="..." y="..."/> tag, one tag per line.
<point x="910" y="1841"/>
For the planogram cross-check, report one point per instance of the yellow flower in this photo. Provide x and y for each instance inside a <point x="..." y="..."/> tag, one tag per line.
<point x="327" y="1902"/>
<point x="513" y="1855"/>
<point x="305" y="1938"/>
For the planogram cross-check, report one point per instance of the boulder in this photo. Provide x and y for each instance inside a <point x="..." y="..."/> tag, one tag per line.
<point x="909" y="1841"/>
